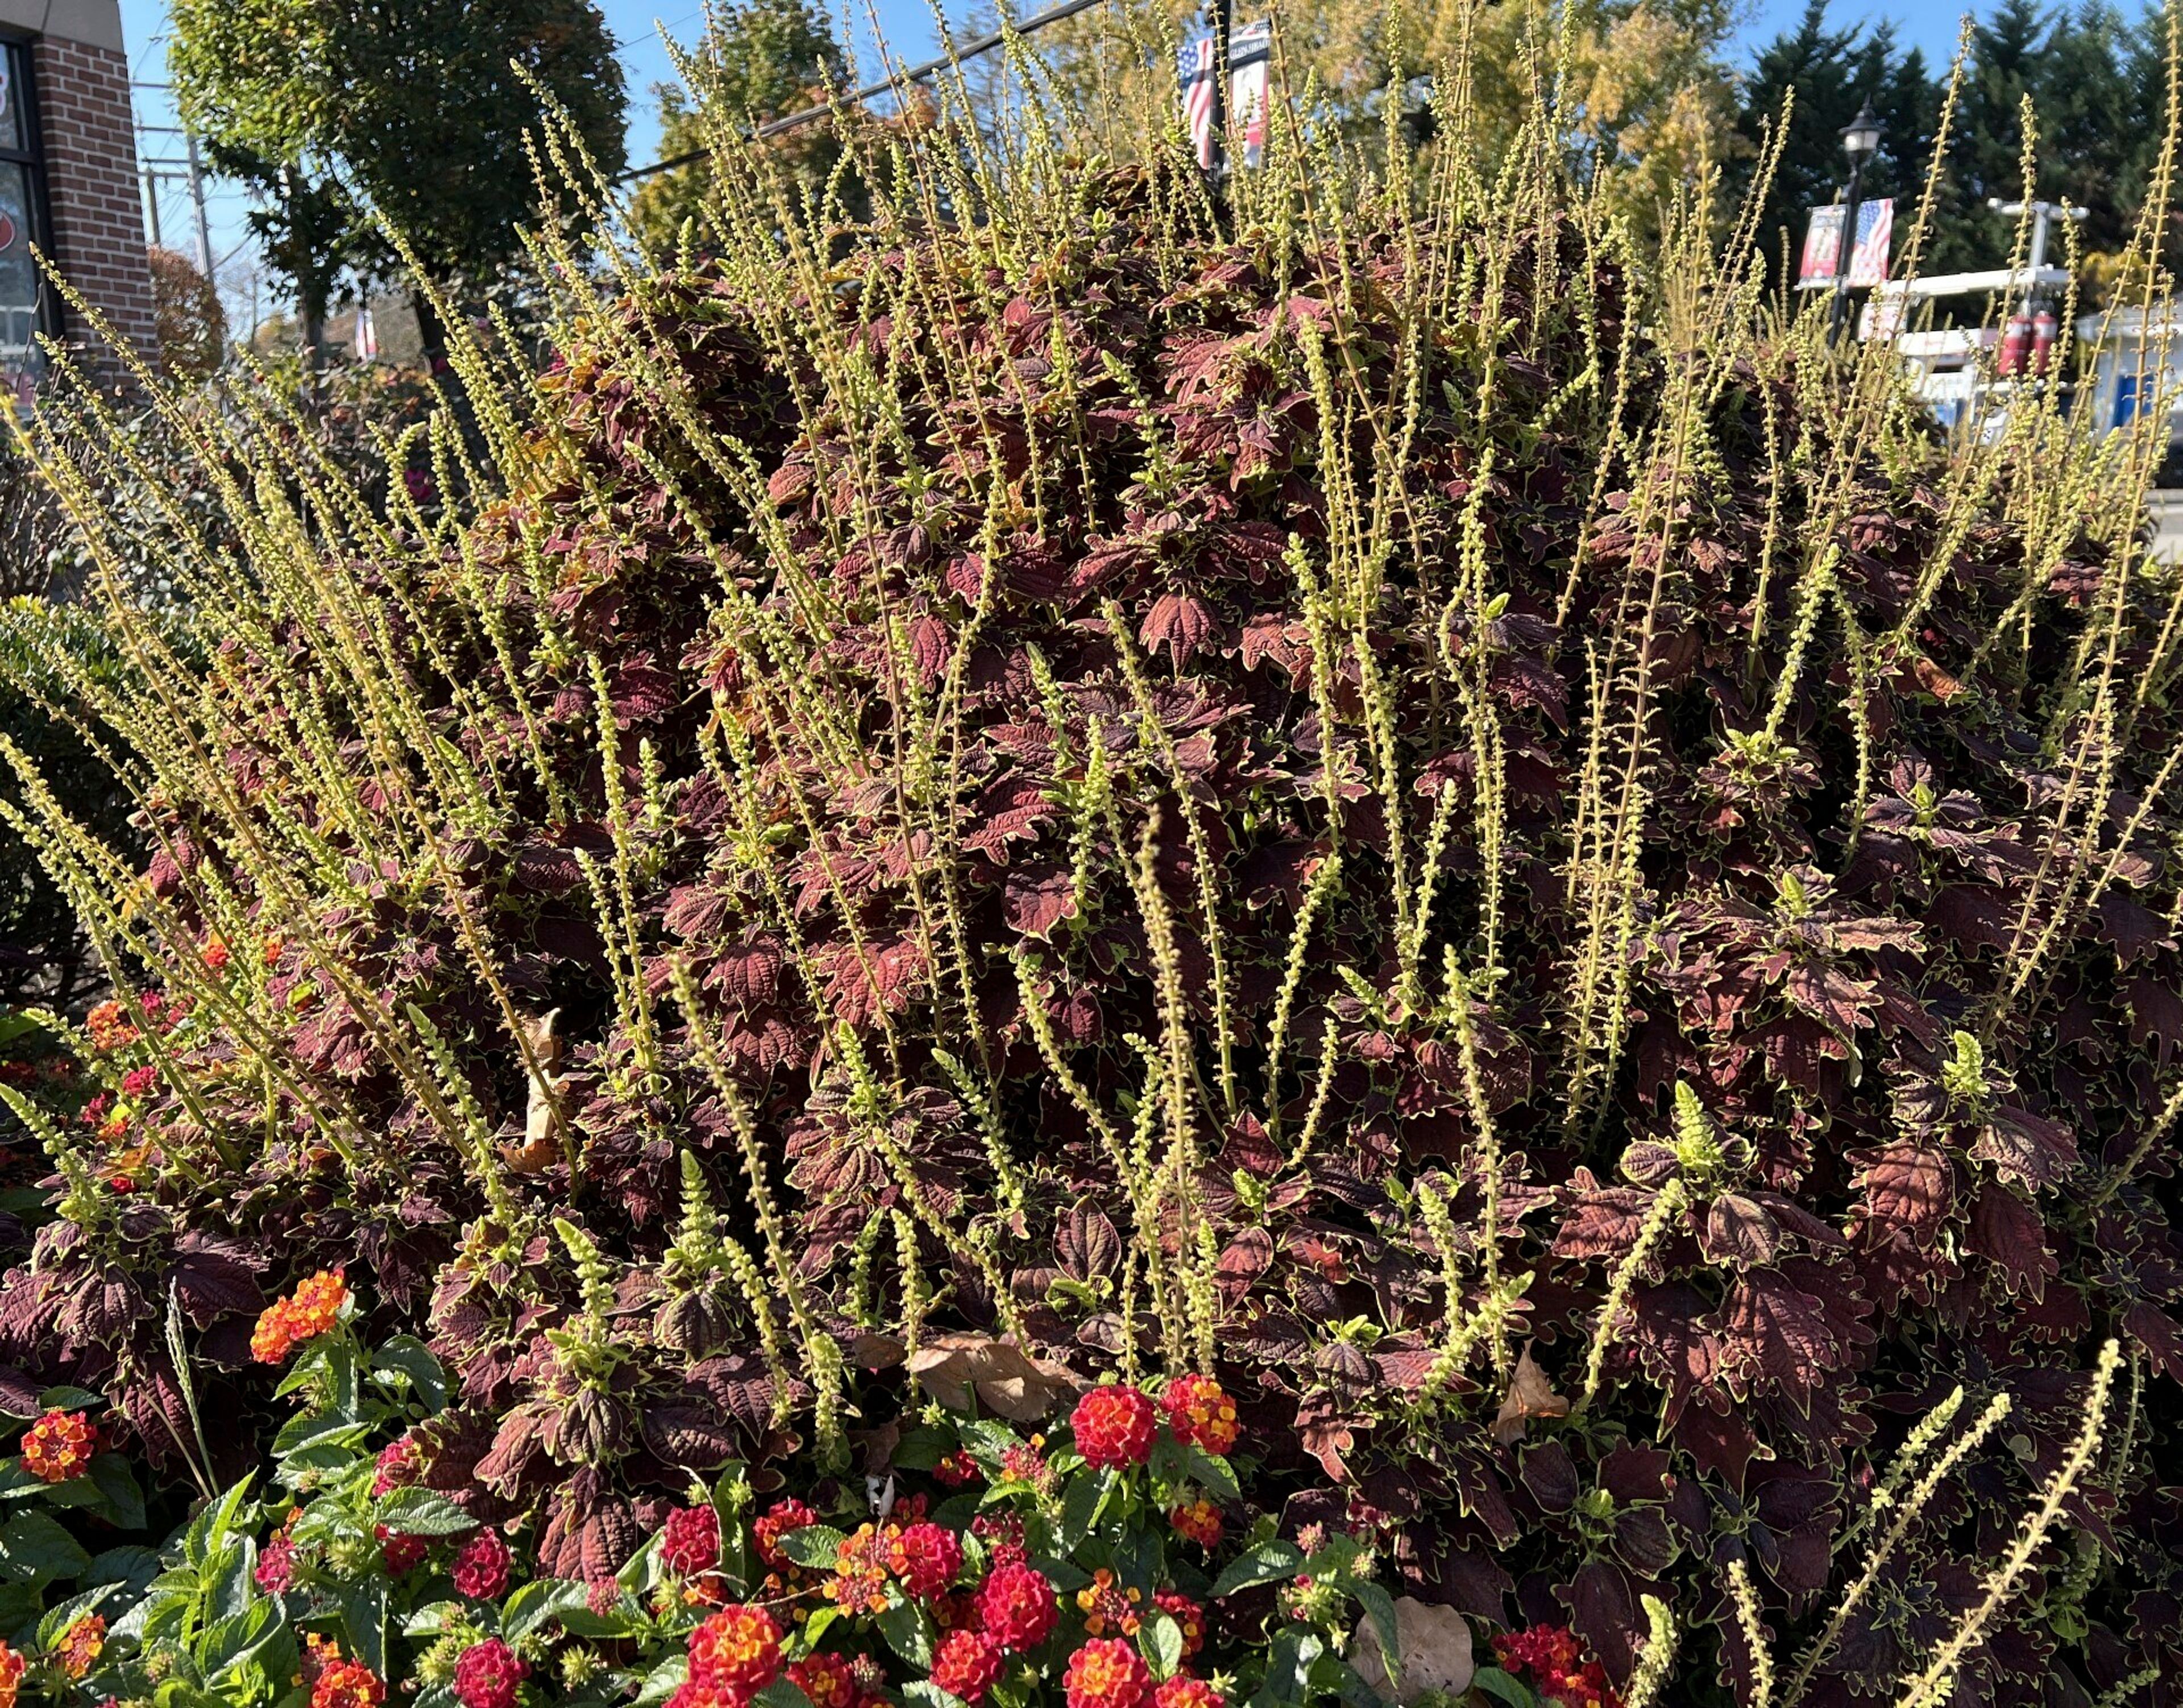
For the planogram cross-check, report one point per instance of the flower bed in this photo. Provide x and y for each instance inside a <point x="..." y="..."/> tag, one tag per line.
<point x="1480" y="910"/>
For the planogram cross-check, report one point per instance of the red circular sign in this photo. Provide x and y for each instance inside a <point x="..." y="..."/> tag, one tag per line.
<point x="6" y="234"/>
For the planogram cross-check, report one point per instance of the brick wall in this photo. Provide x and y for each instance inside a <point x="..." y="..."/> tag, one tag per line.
<point x="91" y="180"/>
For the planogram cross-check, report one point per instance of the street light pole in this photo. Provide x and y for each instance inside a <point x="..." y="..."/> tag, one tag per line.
<point x="1860" y="140"/>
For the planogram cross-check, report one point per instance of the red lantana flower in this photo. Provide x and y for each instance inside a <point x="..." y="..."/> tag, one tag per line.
<point x="1106" y="1672"/>
<point x="488" y="1675"/>
<point x="1114" y="1425"/>
<point x="957" y="1470"/>
<point x="968" y="1664"/>
<point x="736" y="1650"/>
<point x="926" y="1557"/>
<point x="1187" y="1614"/>
<point x="1017" y="1607"/>
<point x="1183" y="1691"/>
<point x="400" y="1464"/>
<point x="59" y="1446"/>
<point x="404" y="1552"/>
<point x="775" y="1522"/>
<point x="1199" y="1411"/>
<point x="81" y="1644"/>
<point x="344" y="1683"/>
<point x="827" y="1679"/>
<point x="1196" y="1521"/>
<point x="480" y="1569"/>
<point x="313" y="1308"/>
<point x="690" y="1540"/>
<point x="276" y="1561"/>
<point x="1553" y="1659"/>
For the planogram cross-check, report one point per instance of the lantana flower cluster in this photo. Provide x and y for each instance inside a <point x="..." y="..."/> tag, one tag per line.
<point x="313" y="1308"/>
<point x="971" y="1584"/>
<point x="1551" y="1661"/>
<point x="58" y="1447"/>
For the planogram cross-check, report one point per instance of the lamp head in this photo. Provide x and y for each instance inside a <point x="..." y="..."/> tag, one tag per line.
<point x="1861" y="137"/>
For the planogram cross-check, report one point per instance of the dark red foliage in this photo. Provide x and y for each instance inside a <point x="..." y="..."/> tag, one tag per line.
<point x="1917" y="1170"/>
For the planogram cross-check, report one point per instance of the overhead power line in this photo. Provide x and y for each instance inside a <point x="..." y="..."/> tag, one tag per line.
<point x="915" y="73"/>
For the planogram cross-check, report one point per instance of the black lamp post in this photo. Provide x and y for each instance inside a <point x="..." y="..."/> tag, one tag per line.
<point x="1860" y="142"/>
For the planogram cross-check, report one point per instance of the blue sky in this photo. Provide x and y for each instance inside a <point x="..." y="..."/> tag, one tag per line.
<point x="909" y="30"/>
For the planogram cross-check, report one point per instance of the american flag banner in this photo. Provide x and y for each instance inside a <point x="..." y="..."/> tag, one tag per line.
<point x="1875" y="232"/>
<point x="1822" y="248"/>
<point x="1196" y="68"/>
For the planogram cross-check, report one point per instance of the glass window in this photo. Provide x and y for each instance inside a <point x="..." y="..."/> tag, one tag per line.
<point x="24" y="308"/>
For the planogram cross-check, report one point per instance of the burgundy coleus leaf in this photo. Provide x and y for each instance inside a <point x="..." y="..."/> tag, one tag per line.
<point x="1603" y="1612"/>
<point x="687" y="1431"/>
<point x="863" y="983"/>
<point x="1035" y="571"/>
<point x="2157" y="1332"/>
<point x="1102" y="564"/>
<point x="590" y="1530"/>
<point x="748" y="972"/>
<point x="1035" y="900"/>
<point x="1279" y="871"/>
<point x="1827" y="993"/>
<point x="1908" y="1187"/>
<point x="1183" y="623"/>
<point x="1549" y="1475"/>
<point x="696" y="912"/>
<point x="2026" y="1148"/>
<point x="641" y="692"/>
<point x="1248" y="1255"/>
<point x="2133" y="930"/>
<point x="1010" y="810"/>
<point x="1599" y="1221"/>
<point x="1088" y="1245"/>
<point x="1798" y="1049"/>
<point x="215" y="1277"/>
<point x="1740" y="1231"/>
<point x="1270" y="636"/>
<point x="762" y="1042"/>
<point x="1326" y="1433"/>
<point x="1522" y="680"/>
<point x="2008" y="1233"/>
<point x="1774" y="1335"/>
<point x="1974" y="915"/>
<point x="1672" y="1331"/>
<point x="1404" y="1363"/>
<point x="930" y="647"/>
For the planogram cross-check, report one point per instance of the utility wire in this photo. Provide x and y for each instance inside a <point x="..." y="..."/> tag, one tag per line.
<point x="915" y="73"/>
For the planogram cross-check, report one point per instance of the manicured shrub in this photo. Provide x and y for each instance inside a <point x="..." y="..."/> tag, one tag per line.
<point x="1358" y="795"/>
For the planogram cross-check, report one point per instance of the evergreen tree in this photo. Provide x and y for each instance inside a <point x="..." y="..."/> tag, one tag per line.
<point x="1830" y="74"/>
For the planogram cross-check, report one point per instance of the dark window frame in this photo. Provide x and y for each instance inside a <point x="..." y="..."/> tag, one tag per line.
<point x="23" y="87"/>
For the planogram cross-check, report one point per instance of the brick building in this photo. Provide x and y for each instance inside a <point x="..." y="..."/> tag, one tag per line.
<point x="68" y="179"/>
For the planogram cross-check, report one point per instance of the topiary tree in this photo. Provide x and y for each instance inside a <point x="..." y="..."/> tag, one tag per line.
<point x="193" y="325"/>
<point x="1359" y="786"/>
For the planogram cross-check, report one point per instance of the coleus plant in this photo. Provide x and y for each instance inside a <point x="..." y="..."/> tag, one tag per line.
<point x="1369" y="796"/>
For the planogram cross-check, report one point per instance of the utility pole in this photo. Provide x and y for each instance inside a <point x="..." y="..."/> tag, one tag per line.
<point x="2028" y="338"/>
<point x="2043" y="213"/>
<point x="150" y="188"/>
<point x="197" y="197"/>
